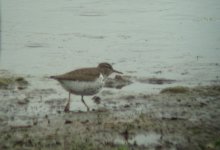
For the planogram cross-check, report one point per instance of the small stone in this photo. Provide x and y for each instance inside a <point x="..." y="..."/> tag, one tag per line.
<point x="68" y="122"/>
<point x="96" y="99"/>
<point x="126" y="106"/>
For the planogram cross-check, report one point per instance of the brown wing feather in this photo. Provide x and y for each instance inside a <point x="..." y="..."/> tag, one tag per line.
<point x="85" y="74"/>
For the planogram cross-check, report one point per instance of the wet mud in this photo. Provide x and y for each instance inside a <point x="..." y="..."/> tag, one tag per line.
<point x="177" y="117"/>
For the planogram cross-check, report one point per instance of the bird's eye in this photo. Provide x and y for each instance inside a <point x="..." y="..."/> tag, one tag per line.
<point x="108" y="66"/>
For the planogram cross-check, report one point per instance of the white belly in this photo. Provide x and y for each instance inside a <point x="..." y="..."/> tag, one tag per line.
<point x="83" y="87"/>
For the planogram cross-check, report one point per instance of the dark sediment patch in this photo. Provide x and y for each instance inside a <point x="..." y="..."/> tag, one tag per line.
<point x="121" y="81"/>
<point x="155" y="80"/>
<point x="36" y="45"/>
<point x="118" y="82"/>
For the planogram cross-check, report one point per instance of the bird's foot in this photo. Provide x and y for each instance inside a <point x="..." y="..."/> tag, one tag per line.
<point x="67" y="108"/>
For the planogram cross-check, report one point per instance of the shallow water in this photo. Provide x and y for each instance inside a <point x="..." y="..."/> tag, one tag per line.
<point x="173" y="39"/>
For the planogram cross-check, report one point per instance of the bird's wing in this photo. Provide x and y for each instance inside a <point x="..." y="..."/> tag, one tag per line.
<point x="86" y="74"/>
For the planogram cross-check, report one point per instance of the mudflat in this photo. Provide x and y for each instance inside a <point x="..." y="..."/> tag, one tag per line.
<point x="178" y="117"/>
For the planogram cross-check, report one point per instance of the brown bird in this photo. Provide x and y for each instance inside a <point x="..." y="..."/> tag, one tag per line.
<point x="85" y="81"/>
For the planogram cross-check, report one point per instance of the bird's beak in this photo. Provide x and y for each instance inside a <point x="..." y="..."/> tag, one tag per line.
<point x="117" y="71"/>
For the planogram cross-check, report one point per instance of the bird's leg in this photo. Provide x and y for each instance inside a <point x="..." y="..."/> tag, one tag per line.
<point x="67" y="107"/>
<point x="84" y="103"/>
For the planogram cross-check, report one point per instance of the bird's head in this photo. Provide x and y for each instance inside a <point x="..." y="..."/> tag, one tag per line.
<point x="106" y="69"/>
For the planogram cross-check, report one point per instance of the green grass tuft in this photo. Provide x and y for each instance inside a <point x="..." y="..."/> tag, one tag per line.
<point x="123" y="147"/>
<point x="175" y="90"/>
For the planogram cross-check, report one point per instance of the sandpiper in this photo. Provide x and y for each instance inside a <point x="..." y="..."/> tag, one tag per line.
<point x="85" y="81"/>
